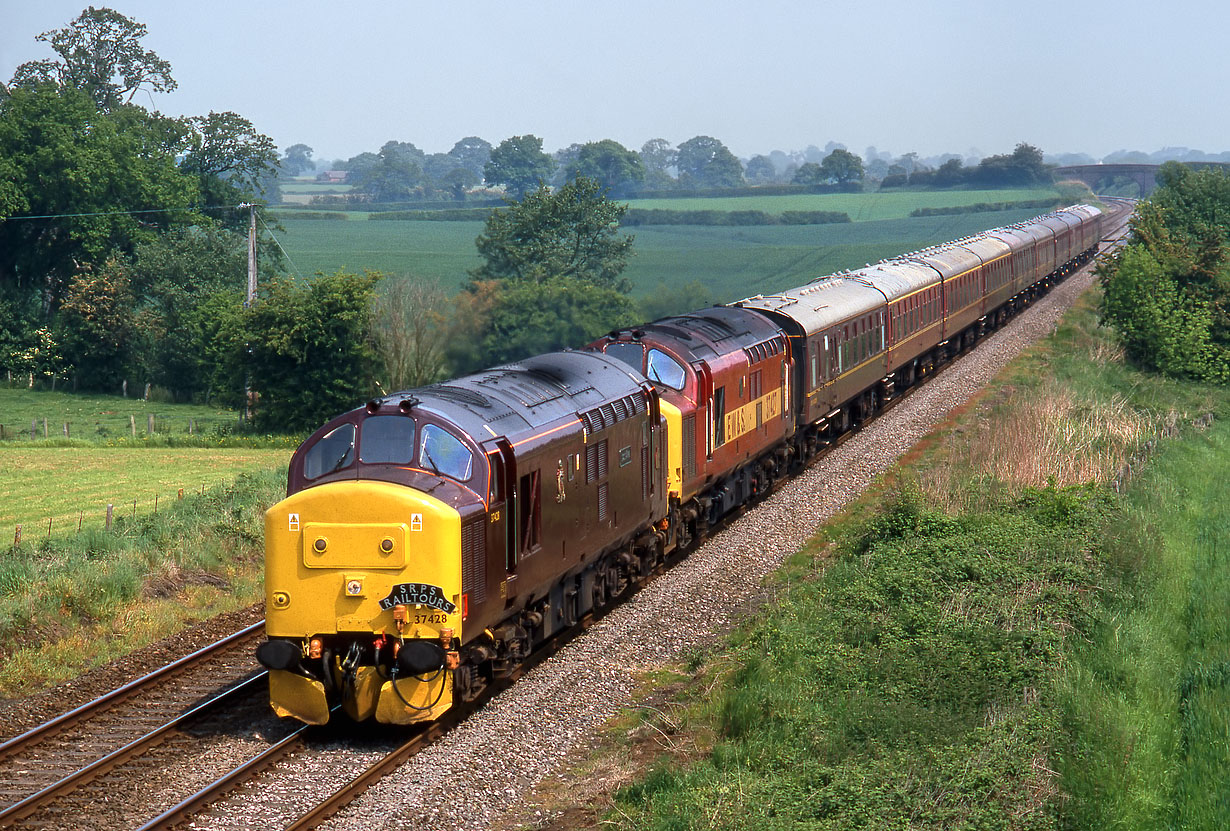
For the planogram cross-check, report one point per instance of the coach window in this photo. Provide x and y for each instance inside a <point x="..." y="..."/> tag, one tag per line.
<point x="442" y="452"/>
<point x="387" y="439"/>
<point x="665" y="370"/>
<point x="632" y="354"/>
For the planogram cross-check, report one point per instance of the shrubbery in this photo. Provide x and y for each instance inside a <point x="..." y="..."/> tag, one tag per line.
<point x="1167" y="293"/>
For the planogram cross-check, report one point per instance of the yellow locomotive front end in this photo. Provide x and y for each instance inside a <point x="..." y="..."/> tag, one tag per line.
<point x="363" y="603"/>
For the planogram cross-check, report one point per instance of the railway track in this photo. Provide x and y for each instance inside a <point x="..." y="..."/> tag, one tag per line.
<point x="269" y="780"/>
<point x="44" y="771"/>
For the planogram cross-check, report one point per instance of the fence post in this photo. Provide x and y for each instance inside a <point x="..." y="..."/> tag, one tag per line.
<point x="44" y="428"/>
<point x="79" y="514"/>
<point x="110" y="508"/>
<point x="48" y="527"/>
<point x="155" y="504"/>
<point x="17" y="536"/>
<point x="149" y="424"/>
<point x="132" y="425"/>
<point x="66" y="429"/>
<point x="33" y="428"/>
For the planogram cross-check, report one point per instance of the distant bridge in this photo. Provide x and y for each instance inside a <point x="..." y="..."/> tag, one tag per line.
<point x="1102" y="177"/>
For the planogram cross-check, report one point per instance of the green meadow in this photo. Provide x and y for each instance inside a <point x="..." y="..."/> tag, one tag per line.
<point x="732" y="261"/>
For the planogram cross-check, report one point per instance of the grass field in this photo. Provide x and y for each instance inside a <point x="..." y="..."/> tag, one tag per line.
<point x="862" y="207"/>
<point x="102" y="417"/>
<point x="733" y="262"/>
<point x="65" y="484"/>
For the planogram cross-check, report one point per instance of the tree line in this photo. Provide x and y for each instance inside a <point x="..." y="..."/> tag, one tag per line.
<point x="401" y="172"/>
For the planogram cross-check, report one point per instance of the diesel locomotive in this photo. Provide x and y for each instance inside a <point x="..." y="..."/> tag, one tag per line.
<point x="431" y="539"/>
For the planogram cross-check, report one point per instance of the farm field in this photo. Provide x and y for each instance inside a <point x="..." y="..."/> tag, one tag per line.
<point x="65" y="483"/>
<point x="862" y="207"/>
<point x="733" y="261"/>
<point x="100" y="417"/>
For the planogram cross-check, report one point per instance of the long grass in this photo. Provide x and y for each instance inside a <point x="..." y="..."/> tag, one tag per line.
<point x="1148" y="700"/>
<point x="72" y="603"/>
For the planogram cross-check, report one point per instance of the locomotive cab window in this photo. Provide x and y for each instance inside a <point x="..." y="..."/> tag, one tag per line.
<point x="334" y="452"/>
<point x="632" y="354"/>
<point x="665" y="370"/>
<point x="387" y="439"/>
<point x="442" y="452"/>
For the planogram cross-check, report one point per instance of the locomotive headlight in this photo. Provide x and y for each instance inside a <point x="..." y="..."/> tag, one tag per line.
<point x="386" y="545"/>
<point x="320" y="545"/>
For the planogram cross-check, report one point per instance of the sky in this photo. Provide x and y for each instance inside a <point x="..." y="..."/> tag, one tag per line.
<point x="973" y="77"/>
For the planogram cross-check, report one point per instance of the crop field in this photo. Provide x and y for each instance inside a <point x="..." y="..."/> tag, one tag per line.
<point x="862" y="207"/>
<point x="733" y="261"/>
<point x="74" y="484"/>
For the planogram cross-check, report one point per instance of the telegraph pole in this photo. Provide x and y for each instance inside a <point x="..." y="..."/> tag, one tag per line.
<point x="248" y="404"/>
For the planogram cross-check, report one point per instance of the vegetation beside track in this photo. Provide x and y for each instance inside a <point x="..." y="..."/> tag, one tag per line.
<point x="971" y="647"/>
<point x="72" y="602"/>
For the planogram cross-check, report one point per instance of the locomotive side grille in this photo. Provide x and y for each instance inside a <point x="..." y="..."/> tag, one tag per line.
<point x="689" y="447"/>
<point x="595" y="462"/>
<point x="644" y="473"/>
<point x="602" y="502"/>
<point x="474" y="560"/>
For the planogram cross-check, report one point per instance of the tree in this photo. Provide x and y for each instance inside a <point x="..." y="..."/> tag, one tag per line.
<point x="179" y="275"/>
<point x="311" y="350"/>
<point x="658" y="158"/>
<point x="760" y="170"/>
<point x="100" y="54"/>
<point x="950" y="173"/>
<point x="298" y="160"/>
<point x="94" y="175"/>
<point x="472" y="153"/>
<point x="519" y="165"/>
<point x="612" y="165"/>
<point x="229" y="159"/>
<point x="95" y="325"/>
<point x="704" y="162"/>
<point x="558" y="313"/>
<point x="409" y="330"/>
<point x="573" y="233"/>
<point x="1167" y="292"/>
<point x="1024" y="166"/>
<point x="842" y="166"/>
<point x="809" y="173"/>
<point x="394" y="174"/>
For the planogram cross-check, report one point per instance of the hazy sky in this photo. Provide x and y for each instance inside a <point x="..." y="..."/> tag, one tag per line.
<point x="1091" y="76"/>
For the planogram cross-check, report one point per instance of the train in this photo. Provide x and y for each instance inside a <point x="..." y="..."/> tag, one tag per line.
<point x="431" y="540"/>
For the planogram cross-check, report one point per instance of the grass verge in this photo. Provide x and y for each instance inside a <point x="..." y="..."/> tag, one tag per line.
<point x="993" y="639"/>
<point x="69" y="604"/>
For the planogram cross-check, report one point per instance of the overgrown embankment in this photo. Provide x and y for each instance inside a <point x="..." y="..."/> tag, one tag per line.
<point x="71" y="602"/>
<point x="1025" y="628"/>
